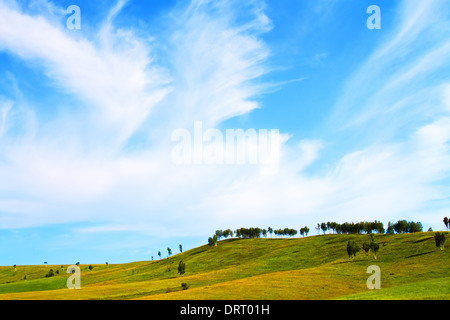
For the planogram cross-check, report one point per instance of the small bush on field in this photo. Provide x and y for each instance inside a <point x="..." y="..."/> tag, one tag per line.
<point x="184" y="286"/>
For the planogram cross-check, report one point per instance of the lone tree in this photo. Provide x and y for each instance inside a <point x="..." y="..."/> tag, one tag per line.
<point x="366" y="248"/>
<point x="212" y="241"/>
<point x="219" y="234"/>
<point x="169" y="251"/>
<point x="323" y="227"/>
<point x="352" y="249"/>
<point x="264" y="232"/>
<point x="439" y="238"/>
<point x="446" y="222"/>
<point x="181" y="267"/>
<point x="390" y="229"/>
<point x="304" y="231"/>
<point x="159" y="254"/>
<point x="374" y="247"/>
<point x="181" y="248"/>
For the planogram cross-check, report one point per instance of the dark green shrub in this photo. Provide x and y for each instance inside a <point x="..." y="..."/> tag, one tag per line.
<point x="181" y="267"/>
<point x="49" y="274"/>
<point x="439" y="238"/>
<point x="352" y="248"/>
<point x="184" y="286"/>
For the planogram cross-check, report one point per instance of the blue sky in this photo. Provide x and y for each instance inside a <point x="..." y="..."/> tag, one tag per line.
<point x="86" y="118"/>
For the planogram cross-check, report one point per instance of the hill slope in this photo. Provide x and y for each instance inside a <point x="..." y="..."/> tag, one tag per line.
<point x="252" y="269"/>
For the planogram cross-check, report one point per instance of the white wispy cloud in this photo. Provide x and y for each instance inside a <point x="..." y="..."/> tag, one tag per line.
<point x="214" y="61"/>
<point x="115" y="79"/>
<point x="5" y="107"/>
<point x="76" y="161"/>
<point x="405" y="70"/>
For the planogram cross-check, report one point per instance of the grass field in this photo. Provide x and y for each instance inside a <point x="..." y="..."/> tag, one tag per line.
<point x="317" y="267"/>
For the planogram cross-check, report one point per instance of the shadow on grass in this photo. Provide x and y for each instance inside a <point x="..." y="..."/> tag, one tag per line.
<point x="349" y="261"/>
<point x="422" y="240"/>
<point x="419" y="254"/>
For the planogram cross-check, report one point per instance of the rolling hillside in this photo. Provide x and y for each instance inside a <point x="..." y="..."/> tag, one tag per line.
<point x="252" y="269"/>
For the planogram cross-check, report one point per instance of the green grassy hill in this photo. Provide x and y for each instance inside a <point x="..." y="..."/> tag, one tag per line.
<point x="252" y="269"/>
